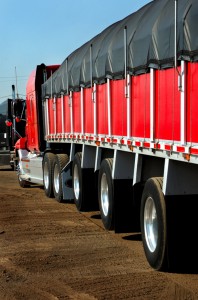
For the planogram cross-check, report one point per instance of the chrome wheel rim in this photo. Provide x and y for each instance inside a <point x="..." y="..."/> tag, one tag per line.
<point x="150" y="224"/>
<point x="56" y="179"/>
<point x="104" y="195"/>
<point x="76" y="183"/>
<point x="46" y="175"/>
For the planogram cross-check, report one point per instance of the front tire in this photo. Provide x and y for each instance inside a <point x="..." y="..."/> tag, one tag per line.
<point x="154" y="224"/>
<point x="106" y="194"/>
<point x="60" y="162"/>
<point x="48" y="162"/>
<point x="22" y="183"/>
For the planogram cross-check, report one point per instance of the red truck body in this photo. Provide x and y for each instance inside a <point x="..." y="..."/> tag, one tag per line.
<point x="114" y="128"/>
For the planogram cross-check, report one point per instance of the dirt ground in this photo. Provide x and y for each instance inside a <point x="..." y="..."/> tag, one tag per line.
<point x="48" y="251"/>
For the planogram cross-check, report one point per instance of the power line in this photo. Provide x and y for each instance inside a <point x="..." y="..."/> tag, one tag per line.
<point x="12" y="80"/>
<point x="11" y="96"/>
<point x="12" y="76"/>
<point x="5" y="96"/>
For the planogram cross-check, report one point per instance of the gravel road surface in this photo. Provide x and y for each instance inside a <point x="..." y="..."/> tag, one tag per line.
<point x="51" y="251"/>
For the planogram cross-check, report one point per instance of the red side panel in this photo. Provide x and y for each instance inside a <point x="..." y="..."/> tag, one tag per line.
<point x="140" y="114"/>
<point x="32" y="123"/>
<point x="192" y="102"/>
<point x="102" y="109"/>
<point x="51" y="116"/>
<point x="58" y="115"/>
<point x="76" y="104"/>
<point x="32" y="119"/>
<point x="167" y="108"/>
<point x="34" y="107"/>
<point x="118" y="108"/>
<point x="167" y="99"/>
<point x="67" y="120"/>
<point x="88" y="112"/>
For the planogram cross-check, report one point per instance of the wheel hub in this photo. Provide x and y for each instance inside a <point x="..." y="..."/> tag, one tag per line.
<point x="46" y="176"/>
<point x="104" y="195"/>
<point x="56" y="179"/>
<point x="76" y="183"/>
<point x="150" y="224"/>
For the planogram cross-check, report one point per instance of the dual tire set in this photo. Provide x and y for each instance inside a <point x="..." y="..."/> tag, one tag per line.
<point x="91" y="193"/>
<point x="53" y="165"/>
<point x="167" y="224"/>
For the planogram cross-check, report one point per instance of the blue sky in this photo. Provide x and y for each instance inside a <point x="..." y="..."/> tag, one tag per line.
<point x="47" y="31"/>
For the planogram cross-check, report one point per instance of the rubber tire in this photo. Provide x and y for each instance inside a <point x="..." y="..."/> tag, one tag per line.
<point x="22" y="183"/>
<point x="157" y="257"/>
<point x="83" y="183"/>
<point x="60" y="162"/>
<point x="106" y="190"/>
<point x="48" y="162"/>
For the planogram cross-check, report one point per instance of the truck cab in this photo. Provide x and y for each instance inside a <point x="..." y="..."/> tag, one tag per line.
<point x="12" y="127"/>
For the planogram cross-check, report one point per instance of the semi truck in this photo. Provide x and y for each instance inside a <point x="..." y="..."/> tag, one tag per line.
<point x="12" y="127"/>
<point x="113" y="128"/>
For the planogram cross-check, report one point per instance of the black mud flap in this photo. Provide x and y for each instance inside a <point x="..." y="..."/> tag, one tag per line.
<point x="68" y="193"/>
<point x="182" y="233"/>
<point x="126" y="212"/>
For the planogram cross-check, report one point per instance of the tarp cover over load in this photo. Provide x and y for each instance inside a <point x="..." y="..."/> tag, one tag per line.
<point x="145" y="38"/>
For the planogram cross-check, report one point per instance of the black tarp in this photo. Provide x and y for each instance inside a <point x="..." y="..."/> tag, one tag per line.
<point x="146" y="38"/>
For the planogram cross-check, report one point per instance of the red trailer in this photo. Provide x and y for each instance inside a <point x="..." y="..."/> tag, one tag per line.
<point x="114" y="128"/>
